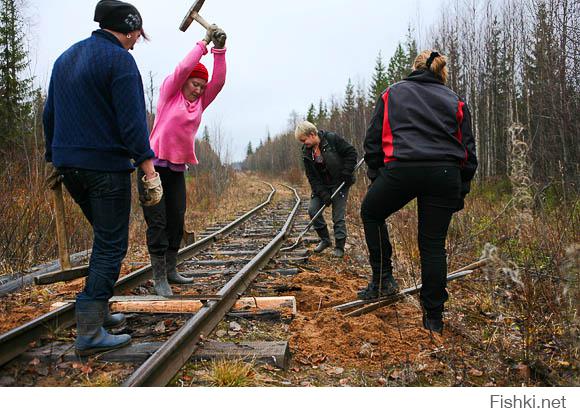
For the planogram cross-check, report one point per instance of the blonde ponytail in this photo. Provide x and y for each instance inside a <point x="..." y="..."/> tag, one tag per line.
<point x="438" y="64"/>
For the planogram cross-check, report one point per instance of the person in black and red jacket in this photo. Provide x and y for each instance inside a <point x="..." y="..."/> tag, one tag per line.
<point x="419" y="144"/>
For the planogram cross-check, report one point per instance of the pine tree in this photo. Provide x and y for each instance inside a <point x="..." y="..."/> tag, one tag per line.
<point x="250" y="150"/>
<point x="322" y="113"/>
<point x="311" y="115"/>
<point x="349" y="100"/>
<point x="398" y="63"/>
<point x="15" y="90"/>
<point x="379" y="82"/>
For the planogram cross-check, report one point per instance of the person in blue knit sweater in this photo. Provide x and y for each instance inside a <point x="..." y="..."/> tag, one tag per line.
<point x="96" y="134"/>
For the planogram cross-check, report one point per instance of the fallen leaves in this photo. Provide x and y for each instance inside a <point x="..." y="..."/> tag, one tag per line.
<point x="475" y="372"/>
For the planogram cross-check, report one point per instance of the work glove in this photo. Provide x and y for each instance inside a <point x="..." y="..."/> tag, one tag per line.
<point x="209" y="34"/>
<point x="52" y="178"/>
<point x="326" y="198"/>
<point x="219" y="38"/>
<point x="152" y="191"/>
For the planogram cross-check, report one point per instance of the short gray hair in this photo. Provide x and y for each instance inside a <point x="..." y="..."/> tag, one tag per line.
<point x="305" y="128"/>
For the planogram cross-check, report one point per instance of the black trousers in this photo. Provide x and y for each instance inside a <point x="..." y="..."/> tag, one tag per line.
<point x="437" y="190"/>
<point x="165" y="220"/>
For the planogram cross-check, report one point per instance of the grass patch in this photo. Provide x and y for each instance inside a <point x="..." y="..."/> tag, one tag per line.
<point x="227" y="373"/>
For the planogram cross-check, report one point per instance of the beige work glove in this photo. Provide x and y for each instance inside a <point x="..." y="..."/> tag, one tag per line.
<point x="52" y="178"/>
<point x="152" y="191"/>
<point x="219" y="38"/>
<point x="209" y="34"/>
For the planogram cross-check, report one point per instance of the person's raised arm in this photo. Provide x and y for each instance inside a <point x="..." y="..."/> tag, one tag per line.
<point x="173" y="83"/>
<point x="218" y="77"/>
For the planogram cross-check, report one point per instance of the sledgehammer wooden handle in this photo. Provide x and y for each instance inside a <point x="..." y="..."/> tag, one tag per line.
<point x="193" y="16"/>
<point x="61" y="228"/>
<point x="201" y="20"/>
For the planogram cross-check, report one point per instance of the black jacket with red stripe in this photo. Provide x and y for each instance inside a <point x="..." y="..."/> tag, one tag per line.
<point x="420" y="121"/>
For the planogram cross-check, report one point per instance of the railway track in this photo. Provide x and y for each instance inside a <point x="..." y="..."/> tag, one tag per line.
<point x="234" y="254"/>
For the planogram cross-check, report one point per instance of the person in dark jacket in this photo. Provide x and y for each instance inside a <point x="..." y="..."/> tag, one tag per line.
<point x="94" y="125"/>
<point x="329" y="160"/>
<point x="419" y="145"/>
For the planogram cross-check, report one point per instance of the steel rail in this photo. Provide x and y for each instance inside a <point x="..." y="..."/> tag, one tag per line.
<point x="162" y="366"/>
<point x="16" y="341"/>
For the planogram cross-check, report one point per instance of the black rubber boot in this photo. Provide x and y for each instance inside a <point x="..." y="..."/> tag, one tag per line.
<point x="324" y="240"/>
<point x="377" y="288"/>
<point x="171" y="268"/>
<point x="434" y="324"/>
<point x="91" y="336"/>
<point x="339" y="248"/>
<point x="371" y="292"/>
<point x="388" y="286"/>
<point x="161" y="286"/>
<point x="433" y="319"/>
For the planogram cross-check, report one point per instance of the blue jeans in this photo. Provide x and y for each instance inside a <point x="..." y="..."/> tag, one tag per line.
<point x="105" y="199"/>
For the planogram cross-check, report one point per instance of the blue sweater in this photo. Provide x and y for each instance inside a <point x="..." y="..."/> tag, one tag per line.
<point x="94" y="116"/>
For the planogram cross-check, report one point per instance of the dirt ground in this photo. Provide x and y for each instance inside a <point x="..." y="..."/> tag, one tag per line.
<point x="388" y="346"/>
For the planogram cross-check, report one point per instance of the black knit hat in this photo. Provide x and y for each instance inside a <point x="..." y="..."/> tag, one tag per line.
<point x="118" y="16"/>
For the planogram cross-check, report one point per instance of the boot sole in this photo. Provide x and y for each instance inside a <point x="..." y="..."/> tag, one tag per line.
<point x="93" y="351"/>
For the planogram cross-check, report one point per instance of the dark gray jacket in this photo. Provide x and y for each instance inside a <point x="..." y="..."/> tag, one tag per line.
<point x="340" y="158"/>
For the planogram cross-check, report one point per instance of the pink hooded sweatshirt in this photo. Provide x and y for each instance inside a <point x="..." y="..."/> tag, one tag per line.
<point x="177" y="119"/>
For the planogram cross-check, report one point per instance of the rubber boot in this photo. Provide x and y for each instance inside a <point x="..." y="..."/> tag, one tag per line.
<point x="378" y="287"/>
<point x="433" y="319"/>
<point x="324" y="240"/>
<point x="91" y="336"/>
<point x="113" y="320"/>
<point x="371" y="292"/>
<point x="171" y="268"/>
<point x="433" y="324"/>
<point x="161" y="286"/>
<point x="388" y="286"/>
<point x="339" y="248"/>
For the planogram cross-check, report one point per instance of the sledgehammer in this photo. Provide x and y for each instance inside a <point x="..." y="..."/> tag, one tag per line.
<point x="317" y="215"/>
<point x="192" y="15"/>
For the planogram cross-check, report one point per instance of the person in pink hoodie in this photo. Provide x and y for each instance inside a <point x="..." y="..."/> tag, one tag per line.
<point x="183" y="97"/>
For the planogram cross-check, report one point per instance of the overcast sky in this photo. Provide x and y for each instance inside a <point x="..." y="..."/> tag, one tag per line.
<point x="282" y="54"/>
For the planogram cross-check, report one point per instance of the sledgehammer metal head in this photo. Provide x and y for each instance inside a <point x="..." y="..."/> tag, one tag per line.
<point x="192" y="15"/>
